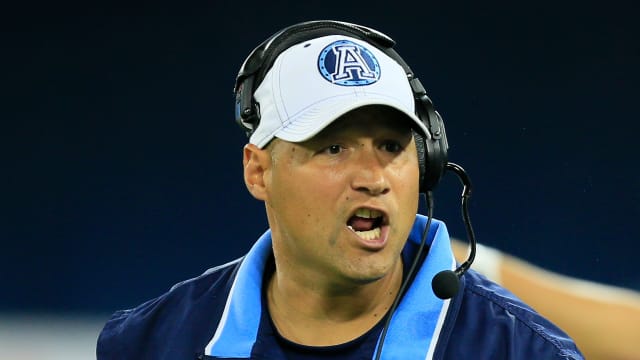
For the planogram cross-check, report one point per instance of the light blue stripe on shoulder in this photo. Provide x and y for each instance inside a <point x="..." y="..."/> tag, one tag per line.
<point x="238" y="327"/>
<point x="416" y="324"/>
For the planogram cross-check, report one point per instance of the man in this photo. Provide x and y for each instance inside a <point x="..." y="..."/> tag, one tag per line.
<point x="342" y="141"/>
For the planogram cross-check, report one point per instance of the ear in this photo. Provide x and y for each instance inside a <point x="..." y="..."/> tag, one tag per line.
<point x="256" y="163"/>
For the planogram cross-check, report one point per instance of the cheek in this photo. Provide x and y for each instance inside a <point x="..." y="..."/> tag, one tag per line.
<point x="406" y="175"/>
<point x="297" y="195"/>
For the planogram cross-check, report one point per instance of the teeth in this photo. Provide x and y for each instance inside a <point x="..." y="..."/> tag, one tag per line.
<point x="369" y="234"/>
<point x="368" y="213"/>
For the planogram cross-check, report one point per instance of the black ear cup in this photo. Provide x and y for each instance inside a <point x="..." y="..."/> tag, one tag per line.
<point x="422" y="159"/>
<point x="435" y="159"/>
<point x="432" y="147"/>
<point x="435" y="156"/>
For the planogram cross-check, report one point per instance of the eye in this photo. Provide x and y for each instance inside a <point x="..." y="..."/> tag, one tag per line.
<point x="333" y="149"/>
<point x="392" y="146"/>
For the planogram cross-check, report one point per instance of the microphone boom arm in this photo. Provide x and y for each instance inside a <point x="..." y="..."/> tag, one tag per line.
<point x="466" y="194"/>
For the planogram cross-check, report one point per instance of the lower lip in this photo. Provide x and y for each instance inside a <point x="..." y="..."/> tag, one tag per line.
<point x="375" y="244"/>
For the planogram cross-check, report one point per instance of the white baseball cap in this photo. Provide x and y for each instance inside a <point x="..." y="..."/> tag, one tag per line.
<point x="314" y="82"/>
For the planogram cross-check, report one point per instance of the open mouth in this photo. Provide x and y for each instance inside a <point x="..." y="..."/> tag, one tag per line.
<point x="366" y="223"/>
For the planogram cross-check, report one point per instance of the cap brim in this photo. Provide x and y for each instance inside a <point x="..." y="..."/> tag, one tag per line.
<point x="314" y="119"/>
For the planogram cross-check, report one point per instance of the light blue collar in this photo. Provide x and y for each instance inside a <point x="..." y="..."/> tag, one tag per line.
<point x="415" y="325"/>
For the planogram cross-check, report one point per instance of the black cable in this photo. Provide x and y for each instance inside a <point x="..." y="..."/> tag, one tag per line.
<point x="407" y="279"/>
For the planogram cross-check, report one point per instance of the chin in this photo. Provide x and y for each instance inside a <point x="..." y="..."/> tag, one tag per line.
<point x="372" y="273"/>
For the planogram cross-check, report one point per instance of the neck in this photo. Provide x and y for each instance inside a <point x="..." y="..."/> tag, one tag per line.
<point x="329" y="314"/>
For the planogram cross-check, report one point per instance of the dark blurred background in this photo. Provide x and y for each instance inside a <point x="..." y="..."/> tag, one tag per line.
<point x="121" y="161"/>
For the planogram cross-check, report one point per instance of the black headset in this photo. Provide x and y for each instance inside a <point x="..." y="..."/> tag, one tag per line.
<point x="432" y="146"/>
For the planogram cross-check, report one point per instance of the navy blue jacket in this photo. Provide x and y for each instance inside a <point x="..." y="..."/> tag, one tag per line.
<point x="219" y="315"/>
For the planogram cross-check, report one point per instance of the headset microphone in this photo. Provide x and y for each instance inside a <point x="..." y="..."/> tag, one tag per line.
<point x="447" y="282"/>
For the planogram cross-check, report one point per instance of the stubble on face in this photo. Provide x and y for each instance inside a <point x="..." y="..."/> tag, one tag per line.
<point x="310" y="200"/>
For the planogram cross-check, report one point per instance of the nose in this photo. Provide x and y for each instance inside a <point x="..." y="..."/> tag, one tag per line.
<point x="369" y="174"/>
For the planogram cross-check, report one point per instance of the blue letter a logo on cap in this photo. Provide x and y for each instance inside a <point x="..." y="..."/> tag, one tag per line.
<point x="348" y="64"/>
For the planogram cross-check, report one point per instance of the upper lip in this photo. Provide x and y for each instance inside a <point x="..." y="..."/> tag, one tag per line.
<point x="383" y="214"/>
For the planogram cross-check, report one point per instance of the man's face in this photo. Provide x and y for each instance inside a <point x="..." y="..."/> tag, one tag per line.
<point x="342" y="204"/>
